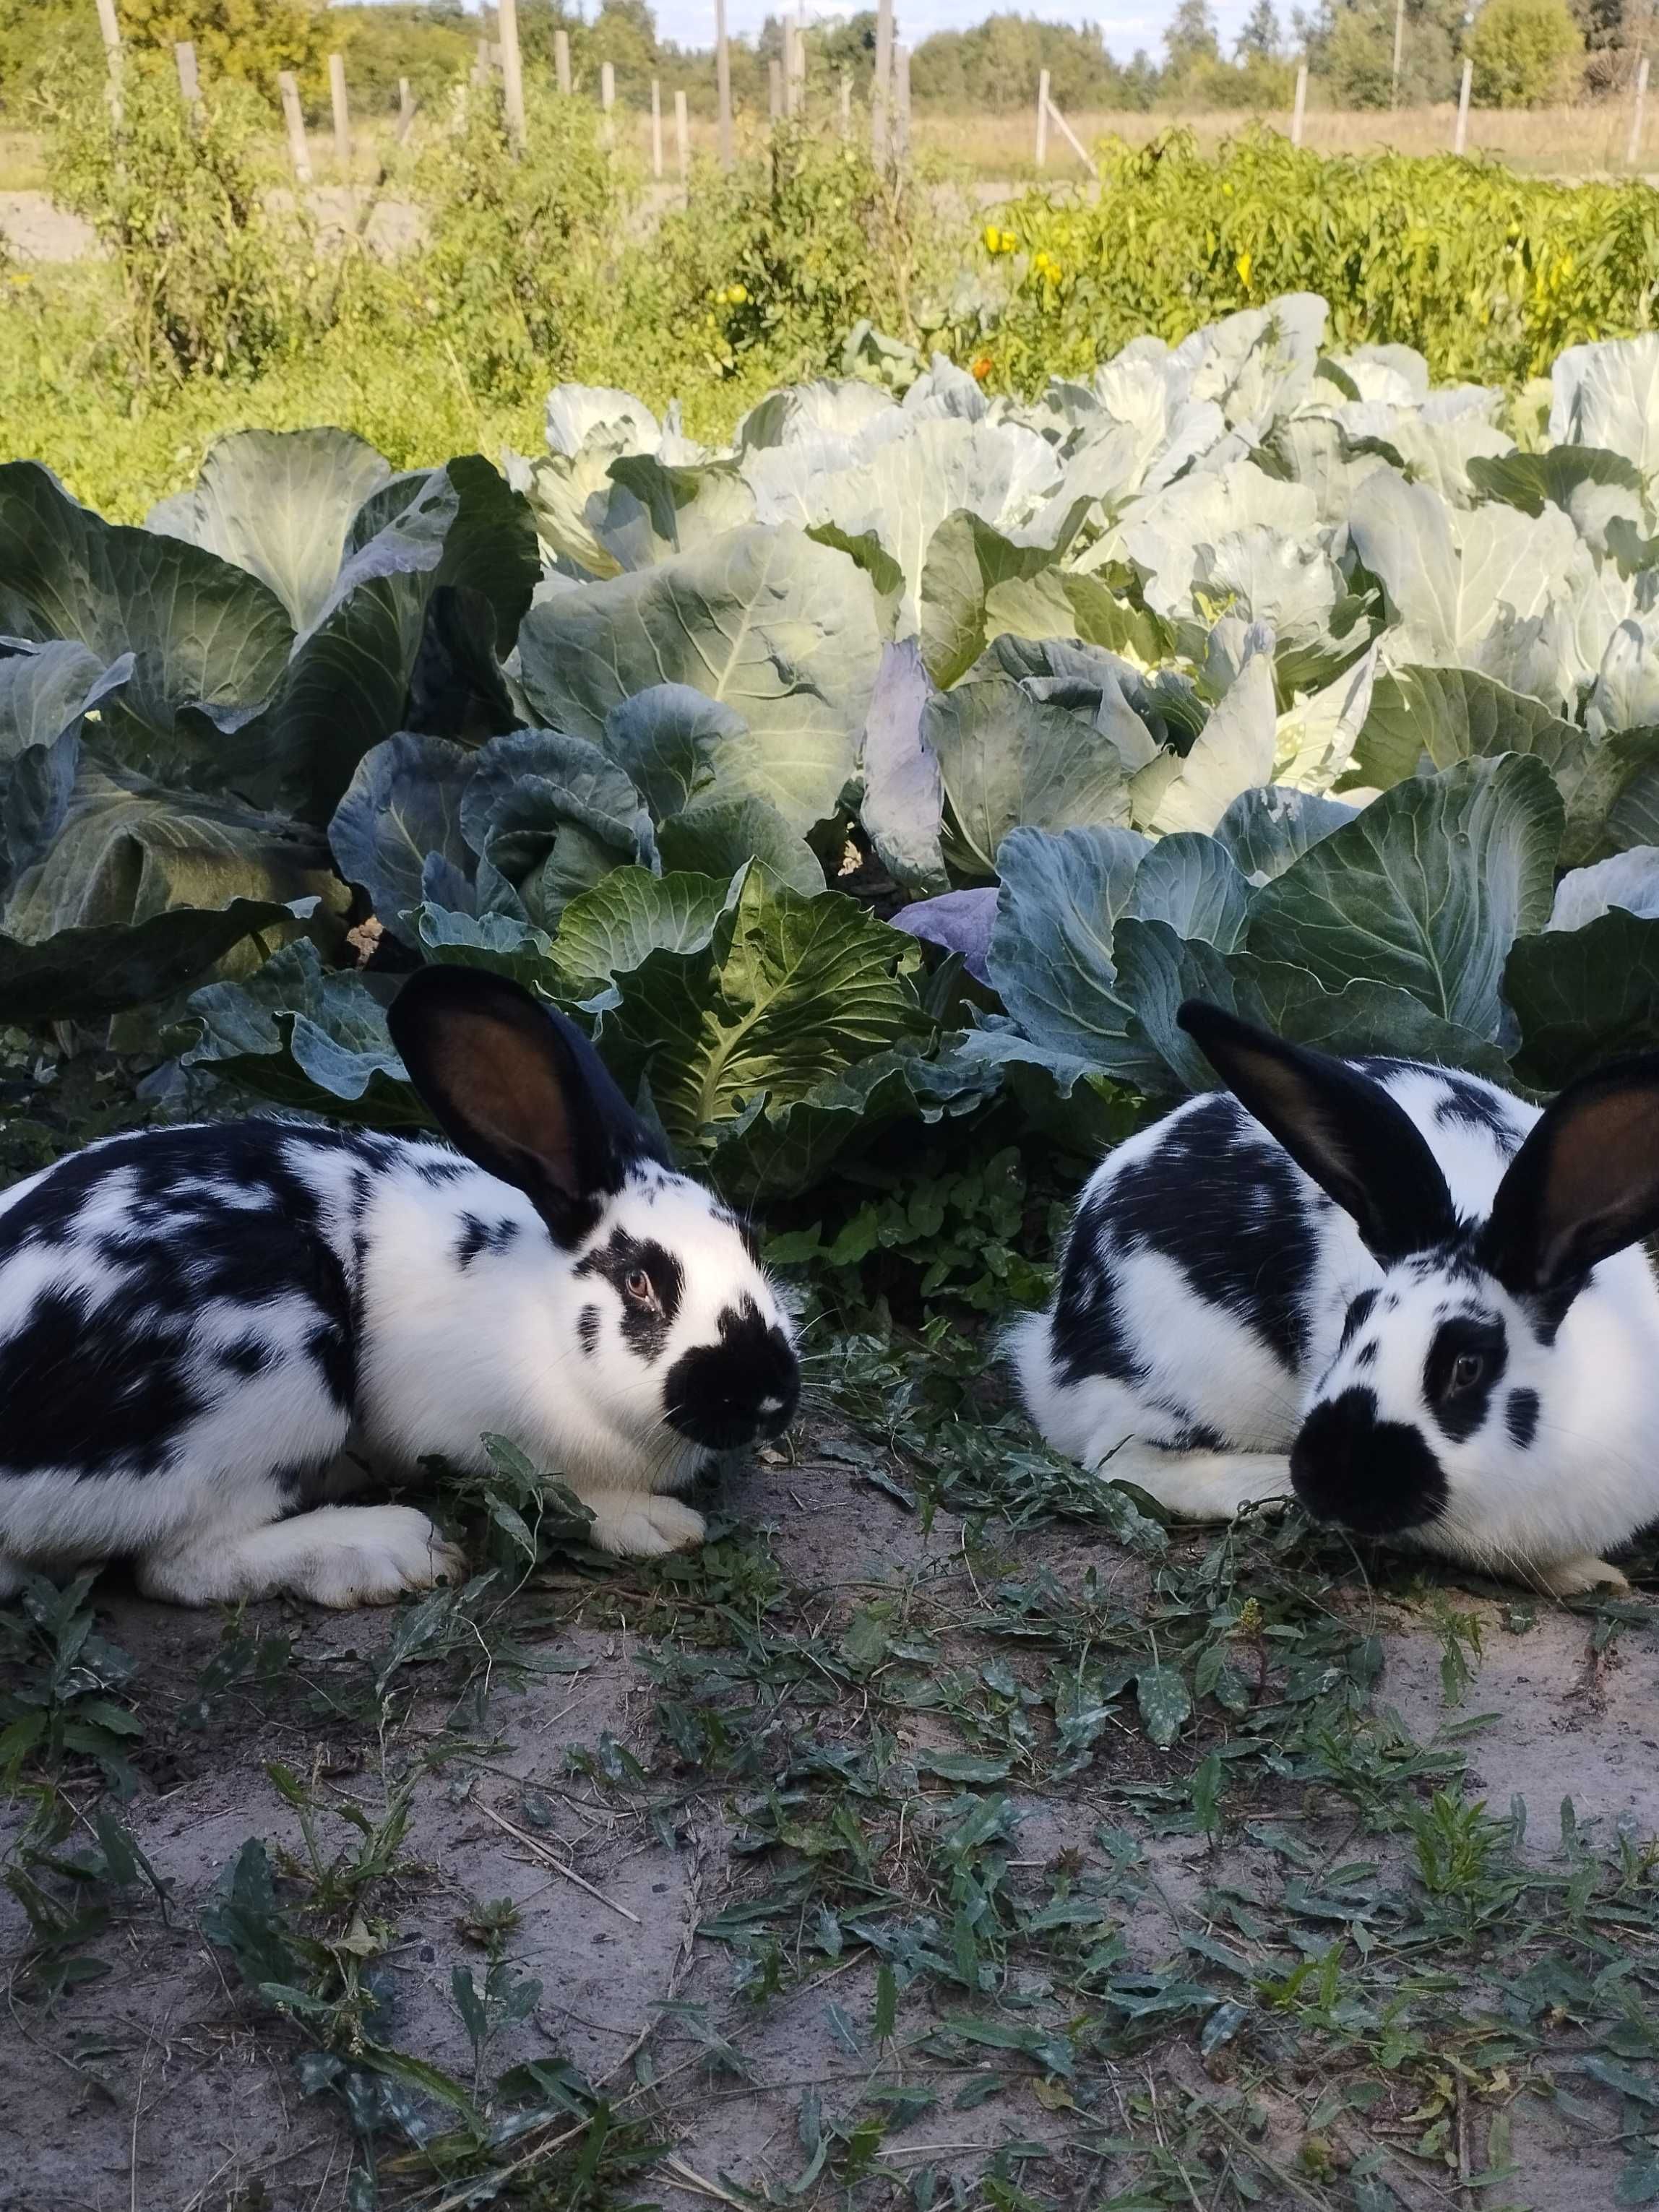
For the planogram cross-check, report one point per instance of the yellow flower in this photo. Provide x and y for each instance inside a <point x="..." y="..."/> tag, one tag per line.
<point x="737" y="295"/>
<point x="1242" y="265"/>
<point x="992" y="239"/>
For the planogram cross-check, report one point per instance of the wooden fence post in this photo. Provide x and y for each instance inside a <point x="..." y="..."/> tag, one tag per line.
<point x="294" y="118"/>
<point x="901" y="105"/>
<point x="796" y="100"/>
<point x="881" y="91"/>
<point x="723" y="83"/>
<point x="656" y="130"/>
<point x="1042" y="118"/>
<point x="1461" y="139"/>
<point x="1301" y="108"/>
<point x="847" y="103"/>
<point x="1632" y="152"/>
<point x="507" y="22"/>
<point x="183" y="57"/>
<point x="1399" y="50"/>
<point x="562" y="60"/>
<point x="336" y="86"/>
<point x="774" y="92"/>
<point x="1069" y="134"/>
<point x="111" y="31"/>
<point x="607" y="101"/>
<point x="683" y="141"/>
<point x="481" y="63"/>
<point x="405" y="109"/>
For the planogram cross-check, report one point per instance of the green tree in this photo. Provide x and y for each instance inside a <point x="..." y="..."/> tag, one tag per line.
<point x="1524" y="53"/>
<point x="1351" y="48"/>
<point x="1261" y="38"/>
<point x="1191" y="38"/>
<point x="247" y="39"/>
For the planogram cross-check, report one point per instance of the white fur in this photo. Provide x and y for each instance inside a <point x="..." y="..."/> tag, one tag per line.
<point x="444" y="1352"/>
<point x="1588" y="1482"/>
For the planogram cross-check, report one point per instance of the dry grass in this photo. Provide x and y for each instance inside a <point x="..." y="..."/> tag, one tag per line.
<point x="1585" y="141"/>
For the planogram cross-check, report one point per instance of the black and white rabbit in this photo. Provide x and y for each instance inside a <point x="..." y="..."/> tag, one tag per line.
<point x="1398" y="1289"/>
<point x="195" y="1321"/>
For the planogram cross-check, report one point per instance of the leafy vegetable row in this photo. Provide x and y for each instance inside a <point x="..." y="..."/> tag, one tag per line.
<point x="914" y="752"/>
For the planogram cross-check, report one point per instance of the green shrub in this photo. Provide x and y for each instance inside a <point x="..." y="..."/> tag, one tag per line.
<point x="1524" y="53"/>
<point x="513" y="277"/>
<point x="776" y="260"/>
<point x="1489" y="274"/>
<point x="212" y="277"/>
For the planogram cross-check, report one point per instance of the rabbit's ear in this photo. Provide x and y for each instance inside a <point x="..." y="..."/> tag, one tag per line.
<point x="1338" y="1126"/>
<point x="1583" y="1185"/>
<point x="520" y="1090"/>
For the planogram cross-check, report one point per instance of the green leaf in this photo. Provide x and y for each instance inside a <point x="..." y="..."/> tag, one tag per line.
<point x="1584" y="995"/>
<point x="47" y="689"/>
<point x="664" y="741"/>
<point x="718" y="835"/>
<point x="964" y="1766"/>
<point x="401" y="811"/>
<point x="1426" y="889"/>
<point x="781" y="629"/>
<point x="789" y="993"/>
<point x="199" y="628"/>
<point x="1051" y="957"/>
<point x="610" y="929"/>
<point x="886" y="2013"/>
<point x="1165" y="1702"/>
<point x="1008" y="761"/>
<point x="278" y="503"/>
<point x="88" y="974"/>
<point x="966" y="558"/>
<point x="306" y="1038"/>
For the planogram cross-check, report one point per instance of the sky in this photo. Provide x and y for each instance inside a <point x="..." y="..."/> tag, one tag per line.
<point x="691" y="23"/>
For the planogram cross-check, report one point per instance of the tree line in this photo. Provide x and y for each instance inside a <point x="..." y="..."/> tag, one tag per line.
<point x="1523" y="52"/>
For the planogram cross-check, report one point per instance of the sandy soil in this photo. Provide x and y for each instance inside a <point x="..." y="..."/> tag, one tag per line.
<point x="164" y="2088"/>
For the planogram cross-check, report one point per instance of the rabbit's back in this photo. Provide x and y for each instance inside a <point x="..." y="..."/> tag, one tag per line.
<point x="173" y="1282"/>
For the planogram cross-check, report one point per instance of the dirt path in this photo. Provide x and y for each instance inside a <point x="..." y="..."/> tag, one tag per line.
<point x="634" y="1862"/>
<point x="38" y="232"/>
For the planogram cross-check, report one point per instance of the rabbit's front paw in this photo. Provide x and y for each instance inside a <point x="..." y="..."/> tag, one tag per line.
<point x="644" y="1527"/>
<point x="1578" y="1577"/>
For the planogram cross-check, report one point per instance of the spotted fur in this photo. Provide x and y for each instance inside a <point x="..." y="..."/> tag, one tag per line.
<point x="1222" y="1332"/>
<point x="204" y="1329"/>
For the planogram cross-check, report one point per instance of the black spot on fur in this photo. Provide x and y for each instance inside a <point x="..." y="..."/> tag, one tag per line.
<point x="588" y="1328"/>
<point x="1521" y="1417"/>
<point x="1366" y="1355"/>
<point x="153" y="1230"/>
<point x="1356" y="1318"/>
<point x="437" y="1171"/>
<point x="478" y="1236"/>
<point x="249" y="1355"/>
<point x="727" y="1393"/>
<point x="1227" y="1208"/>
<point x="1461" y="1406"/>
<point x="645" y="1327"/>
<point x="1376" y="1477"/>
<point x="1470" y="1105"/>
<point x="1197" y="1436"/>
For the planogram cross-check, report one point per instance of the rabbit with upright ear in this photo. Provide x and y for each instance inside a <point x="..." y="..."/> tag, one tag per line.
<point x="195" y="1322"/>
<point x="1397" y="1289"/>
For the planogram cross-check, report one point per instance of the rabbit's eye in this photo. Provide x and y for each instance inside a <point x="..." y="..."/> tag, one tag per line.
<point x="1467" y="1369"/>
<point x="639" y="1288"/>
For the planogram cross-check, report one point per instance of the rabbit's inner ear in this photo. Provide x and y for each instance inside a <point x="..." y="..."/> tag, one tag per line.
<point x="1583" y="1185"/>
<point x="1361" y="1147"/>
<point x="513" y="1091"/>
